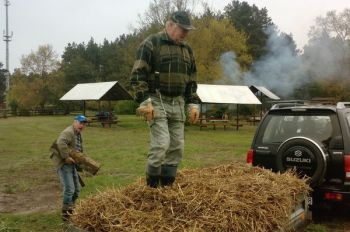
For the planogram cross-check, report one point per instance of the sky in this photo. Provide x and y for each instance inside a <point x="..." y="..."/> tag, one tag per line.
<point x="59" y="22"/>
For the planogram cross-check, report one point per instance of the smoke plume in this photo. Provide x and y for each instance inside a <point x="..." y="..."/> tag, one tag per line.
<point x="282" y="70"/>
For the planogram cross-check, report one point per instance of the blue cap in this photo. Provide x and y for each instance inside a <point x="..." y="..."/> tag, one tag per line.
<point x="80" y="118"/>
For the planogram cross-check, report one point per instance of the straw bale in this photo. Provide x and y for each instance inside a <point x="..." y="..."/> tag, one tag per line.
<point x="233" y="197"/>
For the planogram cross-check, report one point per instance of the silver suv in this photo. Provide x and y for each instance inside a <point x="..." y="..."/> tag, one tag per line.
<point x="314" y="140"/>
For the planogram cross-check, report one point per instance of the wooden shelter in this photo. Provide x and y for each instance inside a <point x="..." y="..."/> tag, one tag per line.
<point x="100" y="91"/>
<point x="261" y="92"/>
<point x="226" y="94"/>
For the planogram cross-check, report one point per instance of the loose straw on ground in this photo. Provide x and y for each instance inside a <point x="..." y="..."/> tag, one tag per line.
<point x="234" y="197"/>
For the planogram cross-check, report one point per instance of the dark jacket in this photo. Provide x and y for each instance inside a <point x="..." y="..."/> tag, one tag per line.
<point x="161" y="64"/>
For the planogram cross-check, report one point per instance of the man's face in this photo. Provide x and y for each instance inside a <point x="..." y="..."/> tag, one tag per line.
<point x="79" y="126"/>
<point x="177" y="33"/>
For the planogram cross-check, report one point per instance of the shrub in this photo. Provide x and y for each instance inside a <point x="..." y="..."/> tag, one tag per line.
<point x="125" y="107"/>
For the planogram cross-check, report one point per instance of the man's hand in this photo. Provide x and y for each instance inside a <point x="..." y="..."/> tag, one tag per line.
<point x="69" y="160"/>
<point x="193" y="113"/>
<point x="146" y="109"/>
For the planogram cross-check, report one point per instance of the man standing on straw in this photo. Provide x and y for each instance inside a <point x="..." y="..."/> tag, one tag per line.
<point x="68" y="140"/>
<point x="163" y="78"/>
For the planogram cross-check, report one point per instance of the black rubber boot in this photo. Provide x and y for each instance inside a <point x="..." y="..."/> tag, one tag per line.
<point x="167" y="180"/>
<point x="167" y="175"/>
<point x="152" y="176"/>
<point x="66" y="215"/>
<point x="67" y="211"/>
<point x="152" y="181"/>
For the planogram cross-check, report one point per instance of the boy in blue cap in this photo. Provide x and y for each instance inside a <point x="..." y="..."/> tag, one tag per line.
<point x="68" y="140"/>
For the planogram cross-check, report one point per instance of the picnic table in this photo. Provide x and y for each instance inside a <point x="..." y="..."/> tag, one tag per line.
<point x="254" y="119"/>
<point x="205" y="122"/>
<point x="216" y="122"/>
<point x="105" y="118"/>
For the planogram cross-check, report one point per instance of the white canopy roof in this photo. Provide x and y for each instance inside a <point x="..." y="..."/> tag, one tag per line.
<point x="107" y="91"/>
<point x="229" y="94"/>
<point x="264" y="91"/>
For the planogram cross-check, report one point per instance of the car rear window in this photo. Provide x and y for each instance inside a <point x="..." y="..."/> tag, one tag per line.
<point x="278" y="128"/>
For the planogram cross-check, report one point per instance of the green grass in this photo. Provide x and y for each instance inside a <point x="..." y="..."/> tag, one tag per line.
<point x="30" y="222"/>
<point x="122" y="151"/>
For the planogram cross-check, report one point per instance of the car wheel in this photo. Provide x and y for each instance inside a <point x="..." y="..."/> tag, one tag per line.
<point x="304" y="155"/>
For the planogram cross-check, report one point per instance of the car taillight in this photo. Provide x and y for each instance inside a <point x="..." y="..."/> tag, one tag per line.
<point x="250" y="156"/>
<point x="333" y="196"/>
<point x="347" y="167"/>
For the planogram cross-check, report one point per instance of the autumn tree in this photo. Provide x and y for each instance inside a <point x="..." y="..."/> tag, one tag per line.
<point x="329" y="44"/>
<point x="326" y="56"/>
<point x="38" y="82"/>
<point x="2" y="83"/>
<point x="23" y="93"/>
<point x="210" y="41"/>
<point x="33" y="92"/>
<point x="334" y="25"/>
<point x="41" y="62"/>
<point x="159" y="11"/>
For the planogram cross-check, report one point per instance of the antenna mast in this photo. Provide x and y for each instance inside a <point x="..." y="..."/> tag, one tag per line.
<point x="7" y="39"/>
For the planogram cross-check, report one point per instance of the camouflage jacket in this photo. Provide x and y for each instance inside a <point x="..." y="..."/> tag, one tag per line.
<point x="175" y="64"/>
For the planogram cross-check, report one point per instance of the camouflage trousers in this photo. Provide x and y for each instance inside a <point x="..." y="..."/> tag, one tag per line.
<point x="166" y="133"/>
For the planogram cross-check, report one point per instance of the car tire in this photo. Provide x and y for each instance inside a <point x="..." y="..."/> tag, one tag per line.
<point x="304" y="155"/>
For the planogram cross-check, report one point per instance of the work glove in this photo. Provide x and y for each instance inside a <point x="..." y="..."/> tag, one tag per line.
<point x="146" y="109"/>
<point x="193" y="113"/>
<point x="69" y="160"/>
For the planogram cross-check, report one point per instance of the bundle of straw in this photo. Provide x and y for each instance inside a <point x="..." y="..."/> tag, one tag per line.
<point x="234" y="197"/>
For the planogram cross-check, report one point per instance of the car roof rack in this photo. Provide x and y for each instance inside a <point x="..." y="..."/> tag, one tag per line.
<point x="287" y="103"/>
<point x="343" y="105"/>
<point x="314" y="101"/>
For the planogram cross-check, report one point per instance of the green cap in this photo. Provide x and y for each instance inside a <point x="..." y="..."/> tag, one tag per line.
<point x="182" y="19"/>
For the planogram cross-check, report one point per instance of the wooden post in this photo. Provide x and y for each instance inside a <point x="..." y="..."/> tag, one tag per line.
<point x="261" y="109"/>
<point x="237" y="118"/>
<point x="84" y="105"/>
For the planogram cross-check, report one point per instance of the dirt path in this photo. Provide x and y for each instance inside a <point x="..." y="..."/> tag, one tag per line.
<point x="43" y="199"/>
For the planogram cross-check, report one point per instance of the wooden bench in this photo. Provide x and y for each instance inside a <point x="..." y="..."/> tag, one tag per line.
<point x="234" y="124"/>
<point x="213" y="122"/>
<point x="253" y="119"/>
<point x="202" y="123"/>
<point x="108" y="123"/>
<point x="218" y="122"/>
<point x="92" y="120"/>
<point x="105" y="122"/>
